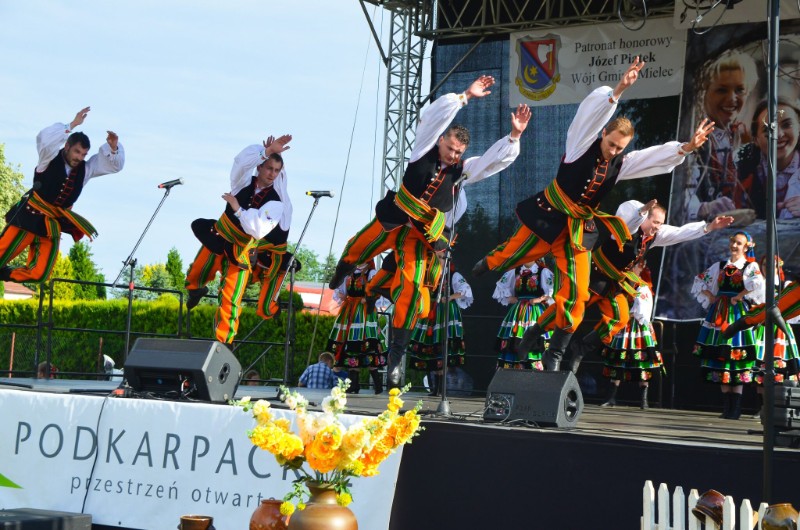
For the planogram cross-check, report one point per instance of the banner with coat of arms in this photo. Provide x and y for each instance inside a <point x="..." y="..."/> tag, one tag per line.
<point x="563" y="66"/>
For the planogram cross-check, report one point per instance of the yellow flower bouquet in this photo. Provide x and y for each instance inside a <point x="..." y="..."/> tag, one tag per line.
<point x="334" y="453"/>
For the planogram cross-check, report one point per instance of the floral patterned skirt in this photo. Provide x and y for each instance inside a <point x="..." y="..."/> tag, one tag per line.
<point x="725" y="362"/>
<point x="632" y="354"/>
<point x="425" y="348"/>
<point x="787" y="360"/>
<point x="520" y="316"/>
<point x="354" y="338"/>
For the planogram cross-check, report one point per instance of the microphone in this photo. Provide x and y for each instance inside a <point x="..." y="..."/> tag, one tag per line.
<point x="460" y="179"/>
<point x="318" y="194"/>
<point x="170" y="183"/>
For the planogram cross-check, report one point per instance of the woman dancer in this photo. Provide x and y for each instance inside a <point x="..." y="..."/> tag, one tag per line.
<point x="529" y="290"/>
<point x="425" y="347"/>
<point x="632" y="354"/>
<point x="354" y="337"/>
<point x="727" y="289"/>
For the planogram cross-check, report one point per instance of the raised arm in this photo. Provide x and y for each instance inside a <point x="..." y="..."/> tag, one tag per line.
<point x="662" y="158"/>
<point x="110" y="158"/>
<point x="253" y="155"/>
<point x="595" y="111"/>
<point x="502" y="153"/>
<point x="440" y="114"/>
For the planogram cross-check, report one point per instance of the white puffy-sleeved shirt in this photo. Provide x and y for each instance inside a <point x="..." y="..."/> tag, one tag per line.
<point x="434" y="122"/>
<point x="504" y="289"/>
<point x="708" y="280"/>
<point x="340" y="293"/>
<point x="667" y="235"/>
<point x="642" y="307"/>
<point x="51" y="139"/>
<point x="460" y="285"/>
<point x="592" y="116"/>
<point x="258" y="222"/>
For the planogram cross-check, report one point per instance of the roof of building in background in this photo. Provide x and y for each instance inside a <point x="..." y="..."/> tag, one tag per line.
<point x="16" y="291"/>
<point x="311" y="292"/>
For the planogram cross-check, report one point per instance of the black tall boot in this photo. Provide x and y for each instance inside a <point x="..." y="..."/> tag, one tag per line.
<point x="734" y="328"/>
<point x="589" y="344"/>
<point x="726" y="405"/>
<point x="355" y="384"/>
<point x="397" y="348"/>
<point x="343" y="269"/>
<point x="644" y="405"/>
<point x="531" y="341"/>
<point x="736" y="406"/>
<point x="377" y="381"/>
<point x="555" y="351"/>
<point x="480" y="268"/>
<point x="611" y="401"/>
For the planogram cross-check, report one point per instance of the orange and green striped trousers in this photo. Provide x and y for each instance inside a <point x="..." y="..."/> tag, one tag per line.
<point x="571" y="278"/>
<point x="42" y="254"/>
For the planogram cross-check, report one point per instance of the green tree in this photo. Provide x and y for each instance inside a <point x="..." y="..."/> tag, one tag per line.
<point x="63" y="270"/>
<point x="11" y="188"/>
<point x="311" y="269"/>
<point x="175" y="269"/>
<point x="329" y="267"/>
<point x="83" y="268"/>
<point x="155" y="276"/>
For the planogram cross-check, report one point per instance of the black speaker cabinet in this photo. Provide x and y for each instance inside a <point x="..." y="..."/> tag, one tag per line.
<point x="34" y="519"/>
<point x="550" y="399"/>
<point x="205" y="370"/>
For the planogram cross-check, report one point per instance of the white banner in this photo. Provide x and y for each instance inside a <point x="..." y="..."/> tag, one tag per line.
<point x="144" y="463"/>
<point x="563" y="66"/>
<point x="707" y="13"/>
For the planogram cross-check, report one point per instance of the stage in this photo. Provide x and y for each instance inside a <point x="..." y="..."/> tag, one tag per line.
<point x="464" y="473"/>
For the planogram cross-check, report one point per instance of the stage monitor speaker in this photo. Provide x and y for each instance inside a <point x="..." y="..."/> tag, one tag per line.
<point x="549" y="399"/>
<point x="204" y="370"/>
<point x="35" y="519"/>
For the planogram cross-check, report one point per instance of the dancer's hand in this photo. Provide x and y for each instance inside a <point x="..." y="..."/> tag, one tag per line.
<point x="113" y="140"/>
<point x="79" y="117"/>
<point x="705" y="128"/>
<point x="277" y="145"/>
<point x="629" y="77"/>
<point x="231" y="199"/>
<point x="519" y="120"/>
<point x="479" y="87"/>
<point x="720" y="222"/>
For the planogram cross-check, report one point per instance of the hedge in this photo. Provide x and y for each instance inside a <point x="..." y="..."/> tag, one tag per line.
<point x="97" y="327"/>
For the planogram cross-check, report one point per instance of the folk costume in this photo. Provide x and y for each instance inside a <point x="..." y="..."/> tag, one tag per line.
<point x="529" y="290"/>
<point x="556" y="219"/>
<point x="228" y="241"/>
<point x="354" y="339"/>
<point x="411" y="221"/>
<point x="612" y="283"/>
<point x="425" y="348"/>
<point x="632" y="354"/>
<point x="38" y="223"/>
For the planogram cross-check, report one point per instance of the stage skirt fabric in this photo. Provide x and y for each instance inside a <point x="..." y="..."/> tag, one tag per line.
<point x="425" y="348"/>
<point x="632" y="354"/>
<point x="354" y="338"/>
<point x="724" y="362"/>
<point x="787" y="360"/>
<point x="521" y="315"/>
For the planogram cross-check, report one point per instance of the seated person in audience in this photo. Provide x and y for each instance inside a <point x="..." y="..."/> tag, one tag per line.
<point x="46" y="371"/>
<point x="251" y="378"/>
<point x="320" y="375"/>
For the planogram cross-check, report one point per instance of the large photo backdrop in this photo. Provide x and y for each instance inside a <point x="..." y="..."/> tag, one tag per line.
<point x="727" y="81"/>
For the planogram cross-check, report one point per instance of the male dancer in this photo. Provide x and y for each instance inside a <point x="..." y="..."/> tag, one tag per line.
<point x="256" y="205"/>
<point x="412" y="221"/>
<point x="613" y="284"/>
<point x="553" y="220"/>
<point x="60" y="176"/>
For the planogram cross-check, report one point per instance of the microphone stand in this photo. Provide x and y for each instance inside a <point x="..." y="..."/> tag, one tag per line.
<point x="131" y="262"/>
<point x="291" y="268"/>
<point x="444" y="292"/>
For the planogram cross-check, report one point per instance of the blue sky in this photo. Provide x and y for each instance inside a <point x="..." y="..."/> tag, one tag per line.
<point x="187" y="85"/>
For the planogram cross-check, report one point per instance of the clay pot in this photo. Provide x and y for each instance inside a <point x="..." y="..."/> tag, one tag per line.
<point x="779" y="517"/>
<point x="268" y="516"/>
<point x="710" y="504"/>
<point x="322" y="512"/>
<point x="196" y="522"/>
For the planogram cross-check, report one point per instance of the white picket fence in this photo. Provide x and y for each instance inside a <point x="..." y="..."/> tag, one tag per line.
<point x="675" y="513"/>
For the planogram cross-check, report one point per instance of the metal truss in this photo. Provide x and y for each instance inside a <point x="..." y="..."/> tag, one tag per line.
<point x="414" y="22"/>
